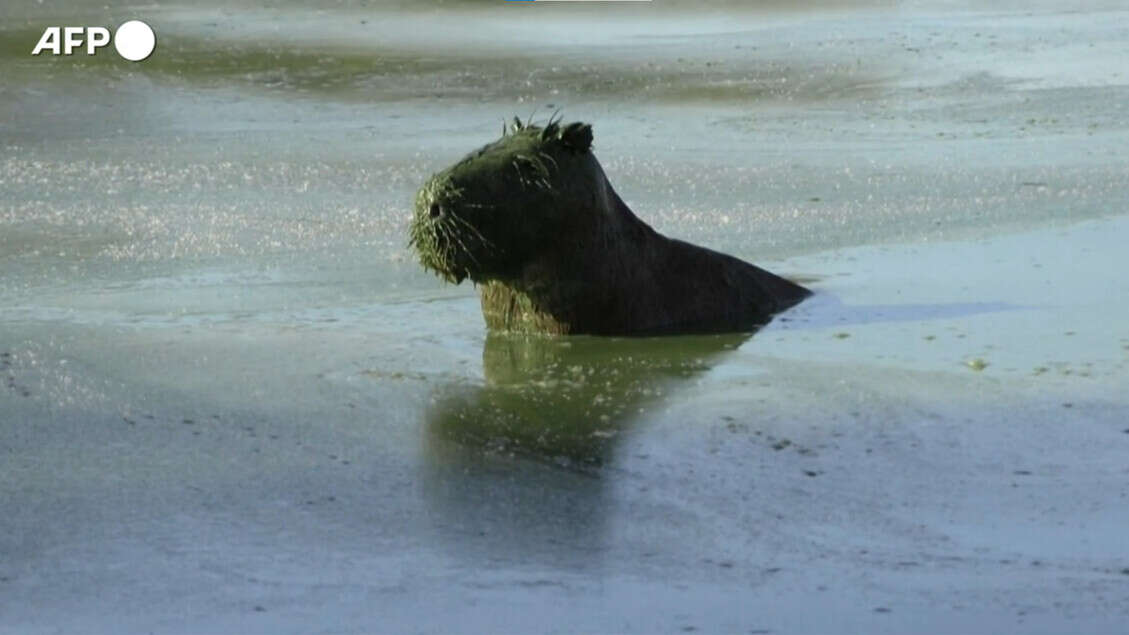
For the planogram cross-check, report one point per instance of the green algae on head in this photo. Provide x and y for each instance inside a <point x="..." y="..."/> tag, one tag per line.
<point x="484" y="217"/>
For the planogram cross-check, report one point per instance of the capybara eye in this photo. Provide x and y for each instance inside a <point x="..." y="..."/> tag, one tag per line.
<point x="435" y="210"/>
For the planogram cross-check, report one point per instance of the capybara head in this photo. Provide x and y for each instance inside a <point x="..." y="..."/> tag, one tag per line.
<point x="491" y="213"/>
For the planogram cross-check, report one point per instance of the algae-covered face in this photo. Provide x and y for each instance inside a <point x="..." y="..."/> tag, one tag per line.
<point x="488" y="215"/>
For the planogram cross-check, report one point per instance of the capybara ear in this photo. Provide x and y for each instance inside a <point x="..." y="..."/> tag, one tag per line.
<point x="577" y="136"/>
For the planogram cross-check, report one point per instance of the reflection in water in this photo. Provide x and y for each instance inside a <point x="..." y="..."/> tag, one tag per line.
<point x="567" y="400"/>
<point x="551" y="401"/>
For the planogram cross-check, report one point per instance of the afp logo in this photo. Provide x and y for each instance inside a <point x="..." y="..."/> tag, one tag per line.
<point x="133" y="40"/>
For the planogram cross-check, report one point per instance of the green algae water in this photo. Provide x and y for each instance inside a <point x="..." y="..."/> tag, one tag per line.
<point x="232" y="400"/>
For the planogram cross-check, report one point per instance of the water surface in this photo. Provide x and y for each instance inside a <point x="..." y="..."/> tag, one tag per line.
<point x="232" y="400"/>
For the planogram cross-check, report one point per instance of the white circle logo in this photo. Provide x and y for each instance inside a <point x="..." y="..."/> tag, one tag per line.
<point x="134" y="40"/>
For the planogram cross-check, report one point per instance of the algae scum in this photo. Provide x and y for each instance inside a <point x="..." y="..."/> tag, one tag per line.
<point x="232" y="400"/>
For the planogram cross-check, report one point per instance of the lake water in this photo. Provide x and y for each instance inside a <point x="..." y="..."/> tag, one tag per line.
<point x="232" y="400"/>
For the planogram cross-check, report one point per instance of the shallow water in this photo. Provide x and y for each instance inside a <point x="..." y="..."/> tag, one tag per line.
<point x="232" y="400"/>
